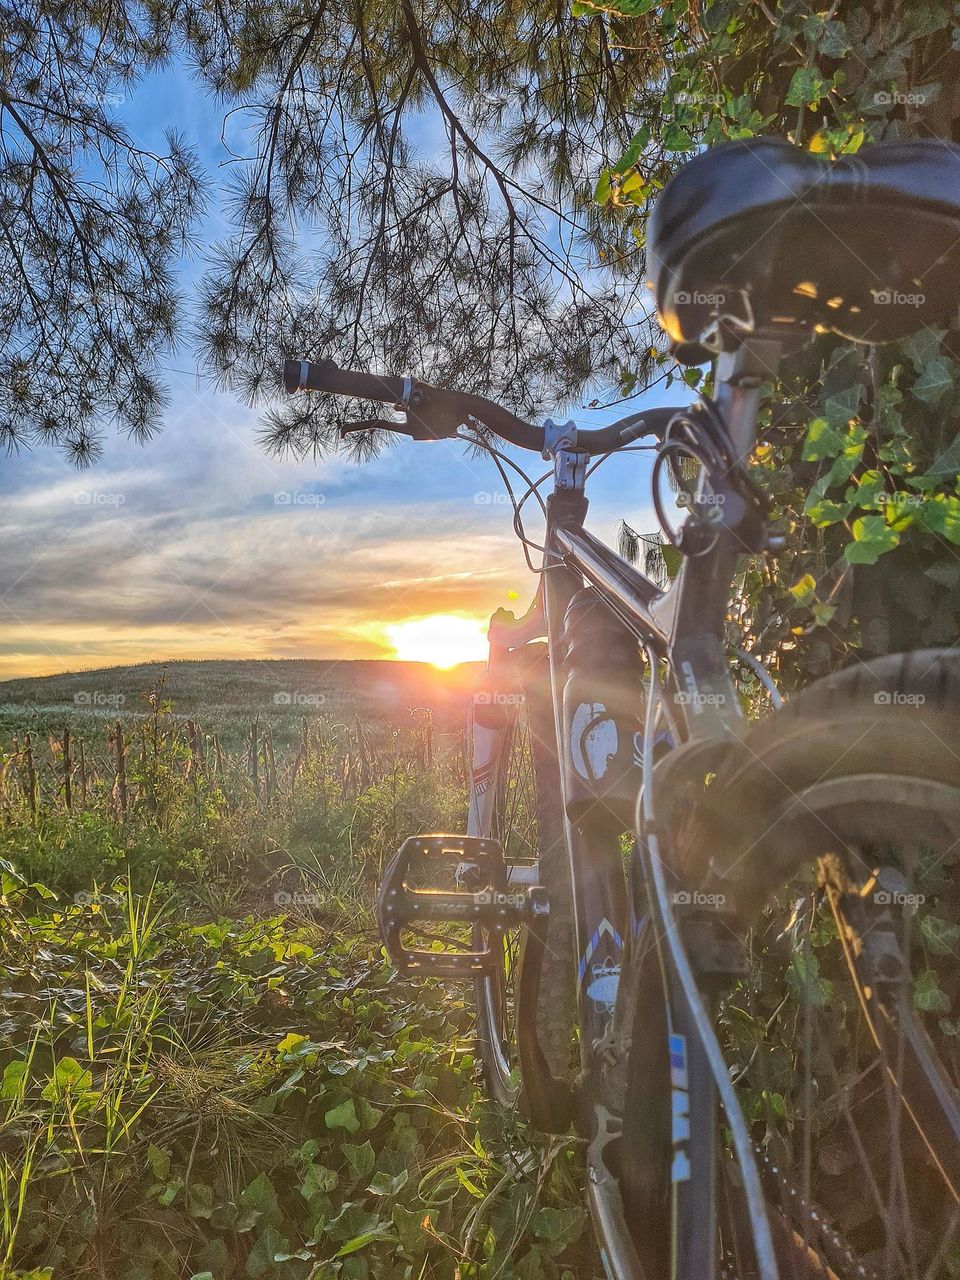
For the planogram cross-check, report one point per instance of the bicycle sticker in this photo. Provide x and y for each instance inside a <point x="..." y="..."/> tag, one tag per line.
<point x="680" y="1104"/>
<point x="602" y="974"/>
<point x="593" y="740"/>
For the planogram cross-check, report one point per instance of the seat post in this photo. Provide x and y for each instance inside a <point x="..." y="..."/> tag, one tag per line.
<point x="740" y="375"/>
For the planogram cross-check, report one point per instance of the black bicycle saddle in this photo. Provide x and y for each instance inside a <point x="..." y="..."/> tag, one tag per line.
<point x="766" y="235"/>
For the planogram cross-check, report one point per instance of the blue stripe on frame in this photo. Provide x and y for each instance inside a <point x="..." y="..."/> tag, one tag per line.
<point x="603" y="927"/>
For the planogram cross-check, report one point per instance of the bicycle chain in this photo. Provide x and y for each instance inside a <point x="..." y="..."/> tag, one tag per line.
<point x="829" y="1245"/>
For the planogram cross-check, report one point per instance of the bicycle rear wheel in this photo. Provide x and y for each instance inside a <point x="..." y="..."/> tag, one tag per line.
<point x="834" y="833"/>
<point x="526" y="817"/>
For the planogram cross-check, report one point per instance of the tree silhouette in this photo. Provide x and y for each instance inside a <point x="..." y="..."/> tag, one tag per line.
<point x="90" y="226"/>
<point x="418" y="198"/>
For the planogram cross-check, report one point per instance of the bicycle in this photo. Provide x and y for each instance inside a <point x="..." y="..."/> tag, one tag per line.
<point x="624" y="983"/>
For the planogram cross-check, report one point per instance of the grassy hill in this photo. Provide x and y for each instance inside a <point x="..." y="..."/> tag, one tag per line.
<point x="225" y="696"/>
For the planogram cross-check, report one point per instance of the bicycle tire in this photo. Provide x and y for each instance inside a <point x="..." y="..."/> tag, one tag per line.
<point x="873" y="753"/>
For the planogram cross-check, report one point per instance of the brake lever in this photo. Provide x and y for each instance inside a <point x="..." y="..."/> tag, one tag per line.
<point x="375" y="424"/>
<point x="422" y="423"/>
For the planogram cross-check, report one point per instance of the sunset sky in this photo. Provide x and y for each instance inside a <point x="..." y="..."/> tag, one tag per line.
<point x="199" y="545"/>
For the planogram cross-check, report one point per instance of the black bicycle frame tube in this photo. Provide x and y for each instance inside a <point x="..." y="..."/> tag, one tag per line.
<point x="684" y="624"/>
<point x="684" y="627"/>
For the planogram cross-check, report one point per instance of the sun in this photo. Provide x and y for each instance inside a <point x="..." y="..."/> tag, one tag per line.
<point x="442" y="639"/>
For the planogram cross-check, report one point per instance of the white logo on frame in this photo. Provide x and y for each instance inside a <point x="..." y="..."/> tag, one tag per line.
<point x="593" y="740"/>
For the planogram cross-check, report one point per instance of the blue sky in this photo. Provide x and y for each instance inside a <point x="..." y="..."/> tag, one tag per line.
<point x="200" y="545"/>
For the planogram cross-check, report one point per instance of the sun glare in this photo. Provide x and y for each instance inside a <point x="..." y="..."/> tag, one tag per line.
<point x="442" y="639"/>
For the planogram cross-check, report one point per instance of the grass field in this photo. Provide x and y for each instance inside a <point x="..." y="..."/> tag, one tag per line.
<point x="207" y="1068"/>
<point x="224" y="696"/>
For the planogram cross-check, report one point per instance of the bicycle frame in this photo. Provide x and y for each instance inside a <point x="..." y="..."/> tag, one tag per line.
<point x="682" y="627"/>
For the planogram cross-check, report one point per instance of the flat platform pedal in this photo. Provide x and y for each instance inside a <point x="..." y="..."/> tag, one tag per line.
<point x="487" y="908"/>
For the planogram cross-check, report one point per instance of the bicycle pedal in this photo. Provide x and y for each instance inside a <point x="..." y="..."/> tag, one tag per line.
<point x="489" y="906"/>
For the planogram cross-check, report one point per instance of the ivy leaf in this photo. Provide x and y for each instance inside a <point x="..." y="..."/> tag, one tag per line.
<point x="804" y="590"/>
<point x="68" y="1078"/>
<point x="806" y="88"/>
<point x="159" y="1162"/>
<point x="199" y="1200"/>
<point x="947" y="465"/>
<point x="889" y="417"/>
<point x="170" y="1193"/>
<point x="635" y="149"/>
<point x="822" y="510"/>
<point x="411" y="1228"/>
<point x="823" y="613"/>
<point x="717" y="15"/>
<point x="946" y="573"/>
<point x="260" y="1198"/>
<point x="262" y="1256"/>
<point x="675" y="138"/>
<point x="834" y="41"/>
<point x="872" y="538"/>
<point x="343" y="1117"/>
<point x="294" y="1047"/>
<point x="803" y="975"/>
<point x="821" y="441"/>
<point x="317" y="1181"/>
<point x="941" y="936"/>
<point x="13" y="1078"/>
<point x="385" y="1185"/>
<point x="845" y="464"/>
<point x="603" y="191"/>
<point x="928" y="996"/>
<point x="941" y="514"/>
<point x="361" y="1159"/>
<point x="559" y="1227"/>
<point x="844" y="405"/>
<point x="869" y="487"/>
<point x="935" y="380"/>
<point x="923" y="346"/>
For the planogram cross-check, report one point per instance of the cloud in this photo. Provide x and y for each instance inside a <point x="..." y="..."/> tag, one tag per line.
<point x="188" y="552"/>
<point x="182" y="547"/>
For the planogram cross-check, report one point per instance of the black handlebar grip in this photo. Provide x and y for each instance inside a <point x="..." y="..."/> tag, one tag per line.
<point x="304" y="375"/>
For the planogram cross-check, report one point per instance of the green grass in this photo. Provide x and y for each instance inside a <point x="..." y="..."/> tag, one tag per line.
<point x="207" y="1067"/>
<point x="224" y="696"/>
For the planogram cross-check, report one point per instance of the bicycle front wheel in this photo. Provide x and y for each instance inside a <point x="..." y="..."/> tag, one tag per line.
<point x="526" y="817"/>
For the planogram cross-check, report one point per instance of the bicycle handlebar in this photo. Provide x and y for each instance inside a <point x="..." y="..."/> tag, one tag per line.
<point x="435" y="414"/>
